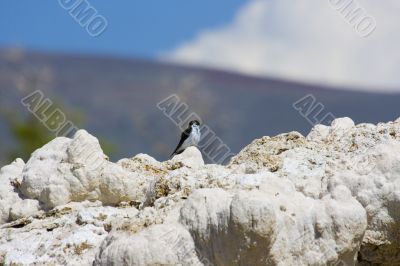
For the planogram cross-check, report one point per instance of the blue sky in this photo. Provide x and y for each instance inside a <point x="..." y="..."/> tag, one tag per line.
<point x="136" y="28"/>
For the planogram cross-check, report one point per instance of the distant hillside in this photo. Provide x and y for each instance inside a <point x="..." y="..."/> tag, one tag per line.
<point x="119" y="98"/>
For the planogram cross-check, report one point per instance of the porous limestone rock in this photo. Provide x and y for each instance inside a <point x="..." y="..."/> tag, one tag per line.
<point x="157" y="245"/>
<point x="318" y="133"/>
<point x="267" y="152"/>
<point x="331" y="198"/>
<point x="231" y="229"/>
<point x="76" y="169"/>
<point x="12" y="206"/>
<point x="191" y="158"/>
<point x="70" y="234"/>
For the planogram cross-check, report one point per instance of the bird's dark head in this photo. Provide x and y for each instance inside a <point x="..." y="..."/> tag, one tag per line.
<point x="194" y="122"/>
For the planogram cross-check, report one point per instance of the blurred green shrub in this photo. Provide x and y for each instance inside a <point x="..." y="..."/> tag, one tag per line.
<point x="29" y="133"/>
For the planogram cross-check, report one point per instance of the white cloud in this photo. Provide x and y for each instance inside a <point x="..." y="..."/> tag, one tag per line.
<point x="304" y="40"/>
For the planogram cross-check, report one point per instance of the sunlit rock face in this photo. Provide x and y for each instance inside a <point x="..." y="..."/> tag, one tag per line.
<point x="327" y="198"/>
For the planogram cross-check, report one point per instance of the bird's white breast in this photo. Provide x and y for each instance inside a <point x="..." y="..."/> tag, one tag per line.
<point x="195" y="135"/>
<point x="193" y="138"/>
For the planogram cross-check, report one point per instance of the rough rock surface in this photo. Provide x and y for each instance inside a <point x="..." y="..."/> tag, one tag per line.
<point x="330" y="198"/>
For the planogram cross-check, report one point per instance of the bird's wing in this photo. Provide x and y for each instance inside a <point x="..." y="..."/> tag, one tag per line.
<point x="185" y="134"/>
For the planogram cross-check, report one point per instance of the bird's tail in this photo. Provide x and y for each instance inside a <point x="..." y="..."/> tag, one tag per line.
<point x="176" y="152"/>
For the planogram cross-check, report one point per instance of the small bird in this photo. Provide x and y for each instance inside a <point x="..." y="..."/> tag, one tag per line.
<point x="190" y="137"/>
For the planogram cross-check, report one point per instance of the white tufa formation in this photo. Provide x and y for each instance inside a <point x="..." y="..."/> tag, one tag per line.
<point x="331" y="198"/>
